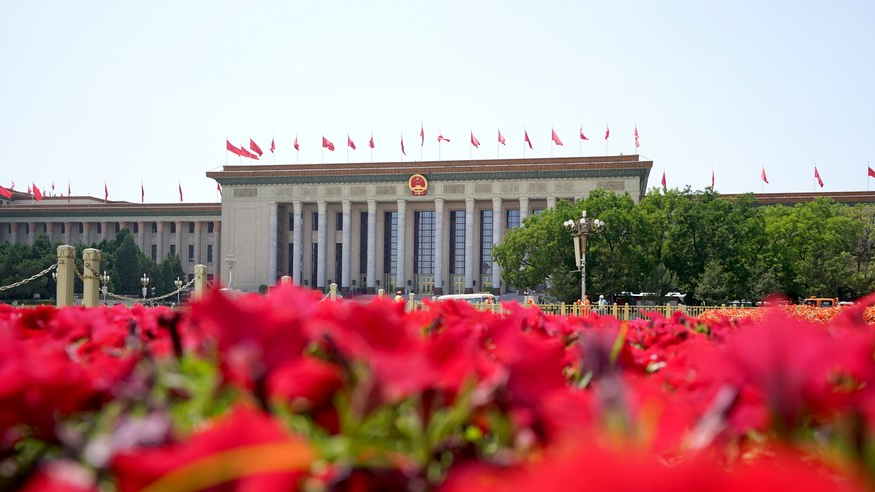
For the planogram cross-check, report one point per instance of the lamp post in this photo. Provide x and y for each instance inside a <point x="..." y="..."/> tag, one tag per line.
<point x="104" y="279"/>
<point x="579" y="230"/>
<point x="178" y="284"/>
<point x="145" y="281"/>
<point x="231" y="260"/>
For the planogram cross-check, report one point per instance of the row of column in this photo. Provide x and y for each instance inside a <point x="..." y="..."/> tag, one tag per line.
<point x="401" y="274"/>
<point x="85" y="235"/>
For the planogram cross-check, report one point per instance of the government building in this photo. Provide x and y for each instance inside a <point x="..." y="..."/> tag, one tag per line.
<point x="423" y="227"/>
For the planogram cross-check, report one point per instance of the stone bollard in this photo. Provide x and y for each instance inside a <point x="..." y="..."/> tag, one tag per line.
<point x="200" y="280"/>
<point x="332" y="291"/>
<point x="91" y="277"/>
<point x="285" y="279"/>
<point x="66" y="272"/>
<point x="411" y="303"/>
<point x="381" y="293"/>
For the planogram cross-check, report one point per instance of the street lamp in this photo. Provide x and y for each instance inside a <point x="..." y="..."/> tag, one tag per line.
<point x="104" y="279"/>
<point x="231" y="260"/>
<point x="145" y="281"/>
<point x="579" y="230"/>
<point x="178" y="284"/>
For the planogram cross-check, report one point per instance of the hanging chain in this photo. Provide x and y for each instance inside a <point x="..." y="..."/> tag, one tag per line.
<point x="151" y="299"/>
<point x="32" y="278"/>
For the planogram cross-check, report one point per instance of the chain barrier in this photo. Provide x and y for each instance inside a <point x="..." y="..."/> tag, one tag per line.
<point x="30" y="279"/>
<point x="150" y="299"/>
<point x="325" y="297"/>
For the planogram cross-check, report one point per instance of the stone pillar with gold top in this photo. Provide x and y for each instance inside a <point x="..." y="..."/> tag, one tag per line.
<point x="91" y="277"/>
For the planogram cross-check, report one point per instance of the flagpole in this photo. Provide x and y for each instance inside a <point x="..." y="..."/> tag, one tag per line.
<point x="580" y="141"/>
<point x="272" y="152"/>
<point x="524" y="143"/>
<point x="498" y="147"/>
<point x="226" y="154"/>
<point x="421" y="138"/>
<point x="471" y="143"/>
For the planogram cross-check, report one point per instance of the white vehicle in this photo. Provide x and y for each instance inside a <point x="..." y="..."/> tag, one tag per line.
<point x="480" y="298"/>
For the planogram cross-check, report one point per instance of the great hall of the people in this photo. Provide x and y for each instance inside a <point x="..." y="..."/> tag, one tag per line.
<point x="423" y="227"/>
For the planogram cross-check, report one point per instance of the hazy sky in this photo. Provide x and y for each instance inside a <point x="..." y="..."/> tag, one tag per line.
<point x="129" y="91"/>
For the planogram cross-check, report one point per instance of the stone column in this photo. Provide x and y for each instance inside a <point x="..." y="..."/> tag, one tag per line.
<point x="524" y="209"/>
<point x="91" y="277"/>
<point x="141" y="237"/>
<point x="31" y="232"/>
<point x="217" y="246"/>
<point x="104" y="231"/>
<point x="66" y="273"/>
<point x="401" y="260"/>
<point x="200" y="280"/>
<point x="160" y="242"/>
<point x="86" y="233"/>
<point x="321" y="239"/>
<point x="496" y="239"/>
<point x="438" y="246"/>
<point x="372" y="245"/>
<point x="345" y="248"/>
<point x="179" y="251"/>
<point x="469" y="245"/>
<point x="13" y="232"/>
<point x="297" y="239"/>
<point x="198" y="227"/>
<point x="551" y="202"/>
<point x="272" y="245"/>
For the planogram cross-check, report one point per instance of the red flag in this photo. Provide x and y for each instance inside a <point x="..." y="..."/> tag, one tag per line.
<point x="5" y="193"/>
<point x="555" y="137"/>
<point x="53" y="185"/>
<point x="527" y="139"/>
<point x="501" y="138"/>
<point x="371" y="141"/>
<point x="441" y="138"/>
<point x="219" y="188"/>
<point x="37" y="194"/>
<point x="871" y="172"/>
<point x="29" y="191"/>
<point x="607" y="132"/>
<point x="105" y="193"/>
<point x="763" y="176"/>
<point x="582" y="136"/>
<point x="326" y="144"/>
<point x="637" y="144"/>
<point x="13" y="186"/>
<point x="246" y="153"/>
<point x="474" y="141"/>
<point x="296" y="144"/>
<point x="142" y="193"/>
<point x="272" y="146"/>
<point x="255" y="148"/>
<point x="663" y="181"/>
<point x="231" y="148"/>
<point x="180" y="192"/>
<point x="349" y="142"/>
<point x="712" y="180"/>
<point x="817" y="175"/>
<point x="402" y="145"/>
<point x="422" y="135"/>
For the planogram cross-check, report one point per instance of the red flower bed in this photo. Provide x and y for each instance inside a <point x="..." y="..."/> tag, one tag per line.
<point x="284" y="392"/>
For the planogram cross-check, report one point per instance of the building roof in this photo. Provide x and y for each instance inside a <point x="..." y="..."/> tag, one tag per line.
<point x="847" y="197"/>
<point x="81" y="207"/>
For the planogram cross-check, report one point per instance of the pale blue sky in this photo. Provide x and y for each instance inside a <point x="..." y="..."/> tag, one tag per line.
<point x="131" y="91"/>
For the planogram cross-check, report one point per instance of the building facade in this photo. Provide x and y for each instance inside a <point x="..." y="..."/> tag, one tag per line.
<point x="422" y="227"/>
<point x="190" y="231"/>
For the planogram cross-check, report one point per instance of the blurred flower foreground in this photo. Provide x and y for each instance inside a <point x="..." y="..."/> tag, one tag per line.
<point x="284" y="392"/>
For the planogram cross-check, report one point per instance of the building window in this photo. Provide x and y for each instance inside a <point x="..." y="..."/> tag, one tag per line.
<point x="99" y="228"/>
<point x="338" y="221"/>
<point x="191" y="227"/>
<point x="172" y="250"/>
<point x="63" y="228"/>
<point x="315" y="218"/>
<point x="513" y="219"/>
<point x="117" y="226"/>
<point x="423" y="247"/>
<point x="338" y="263"/>
<point x="291" y="265"/>
<point x="173" y="228"/>
<point x="363" y="243"/>
<point x="136" y="227"/>
<point x="537" y="211"/>
<point x="154" y="252"/>
<point x="457" y="242"/>
<point x="190" y="253"/>
<point x="292" y="221"/>
<point x="154" y="227"/>
<point x="81" y="227"/>
<point x="210" y="227"/>
<point x="314" y="264"/>
<point x="390" y="242"/>
<point x="486" y="242"/>
<point x="209" y="253"/>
